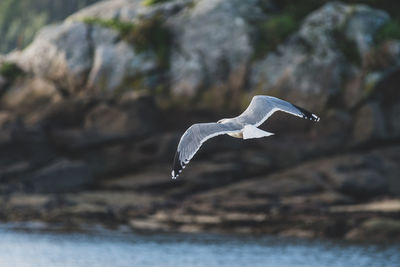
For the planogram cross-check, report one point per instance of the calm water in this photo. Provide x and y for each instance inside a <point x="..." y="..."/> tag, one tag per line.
<point x="22" y="248"/>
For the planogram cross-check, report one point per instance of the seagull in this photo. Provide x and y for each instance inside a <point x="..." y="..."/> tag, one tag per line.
<point x="243" y="126"/>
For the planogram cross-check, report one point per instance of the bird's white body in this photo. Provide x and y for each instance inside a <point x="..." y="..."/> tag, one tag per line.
<point x="236" y="135"/>
<point x="248" y="132"/>
<point x="251" y="131"/>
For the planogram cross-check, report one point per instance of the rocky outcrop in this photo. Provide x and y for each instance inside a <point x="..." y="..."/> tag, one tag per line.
<point x="131" y="10"/>
<point x="325" y="54"/>
<point x="90" y="51"/>
<point x="314" y="185"/>
<point x="215" y="45"/>
<point x="80" y="56"/>
<point x="61" y="176"/>
<point x="77" y="56"/>
<point x="378" y="229"/>
<point x="67" y="145"/>
<point x="125" y="10"/>
<point x="91" y="113"/>
<point x="61" y="54"/>
<point x="114" y="64"/>
<point x="334" y="197"/>
<point x="17" y="33"/>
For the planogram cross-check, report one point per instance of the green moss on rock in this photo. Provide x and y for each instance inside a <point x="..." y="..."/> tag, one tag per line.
<point x="389" y="31"/>
<point x="152" y="34"/>
<point x="149" y="34"/>
<point x="153" y="2"/>
<point x="123" y="28"/>
<point x="348" y="48"/>
<point x="272" y="32"/>
<point x="20" y="20"/>
<point x="10" y="70"/>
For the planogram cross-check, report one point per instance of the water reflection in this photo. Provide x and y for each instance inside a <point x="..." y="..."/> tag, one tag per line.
<point x="24" y="248"/>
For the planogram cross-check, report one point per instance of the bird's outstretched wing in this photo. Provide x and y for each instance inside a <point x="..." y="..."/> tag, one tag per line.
<point x="262" y="107"/>
<point x="258" y="111"/>
<point x="194" y="137"/>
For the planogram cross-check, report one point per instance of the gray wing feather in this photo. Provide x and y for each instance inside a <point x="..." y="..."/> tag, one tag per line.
<point x="258" y="111"/>
<point x="262" y="107"/>
<point x="194" y="137"/>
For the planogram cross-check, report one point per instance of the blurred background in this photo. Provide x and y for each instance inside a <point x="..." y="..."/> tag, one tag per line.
<point x="94" y="96"/>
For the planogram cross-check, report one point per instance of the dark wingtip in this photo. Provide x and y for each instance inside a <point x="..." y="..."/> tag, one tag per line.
<point x="307" y="115"/>
<point x="177" y="166"/>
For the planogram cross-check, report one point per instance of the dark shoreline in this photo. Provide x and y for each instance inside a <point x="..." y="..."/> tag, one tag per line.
<point x="353" y="226"/>
<point x="121" y="230"/>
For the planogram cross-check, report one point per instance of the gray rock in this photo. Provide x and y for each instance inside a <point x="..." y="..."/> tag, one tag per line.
<point x="386" y="93"/>
<point x="21" y="149"/>
<point x="109" y="67"/>
<point x="30" y="98"/>
<point x="314" y="63"/>
<point x="369" y="124"/>
<point x="80" y="125"/>
<point x="384" y="57"/>
<point x="150" y="181"/>
<point x="213" y="43"/>
<point x="61" y="53"/>
<point x="78" y="56"/>
<point x="362" y="25"/>
<point x="297" y="233"/>
<point x="393" y="120"/>
<point x="309" y="186"/>
<point x="166" y="9"/>
<point x="363" y="184"/>
<point x="114" y="64"/>
<point x="108" y="120"/>
<point x="376" y="229"/>
<point x="103" y="36"/>
<point x="61" y="176"/>
<point x="68" y="113"/>
<point x="355" y="88"/>
<point x="360" y="176"/>
<point x="3" y="83"/>
<point x="391" y="50"/>
<point x="7" y="126"/>
<point x="129" y="10"/>
<point x="125" y="10"/>
<point x="378" y="73"/>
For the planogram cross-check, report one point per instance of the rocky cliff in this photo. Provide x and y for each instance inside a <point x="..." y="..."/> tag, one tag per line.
<point x="91" y="113"/>
<point x="20" y="20"/>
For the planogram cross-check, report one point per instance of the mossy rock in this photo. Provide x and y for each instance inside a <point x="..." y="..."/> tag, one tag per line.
<point x="147" y="34"/>
<point x="123" y="28"/>
<point x="137" y="83"/>
<point x="10" y="71"/>
<point x="273" y="32"/>
<point x="371" y="80"/>
<point x="152" y="34"/>
<point x="389" y="31"/>
<point x="348" y="48"/>
<point x="153" y="2"/>
<point x="289" y="15"/>
<point x="376" y="229"/>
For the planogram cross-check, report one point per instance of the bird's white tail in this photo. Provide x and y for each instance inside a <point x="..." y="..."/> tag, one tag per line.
<point x="251" y="131"/>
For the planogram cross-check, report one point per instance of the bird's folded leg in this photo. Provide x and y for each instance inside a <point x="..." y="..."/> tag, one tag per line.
<point x="251" y="131"/>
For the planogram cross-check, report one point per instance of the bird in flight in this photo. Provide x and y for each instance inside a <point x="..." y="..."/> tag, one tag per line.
<point x="243" y="126"/>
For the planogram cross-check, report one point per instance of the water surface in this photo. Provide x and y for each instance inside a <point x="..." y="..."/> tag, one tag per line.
<point x="105" y="248"/>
